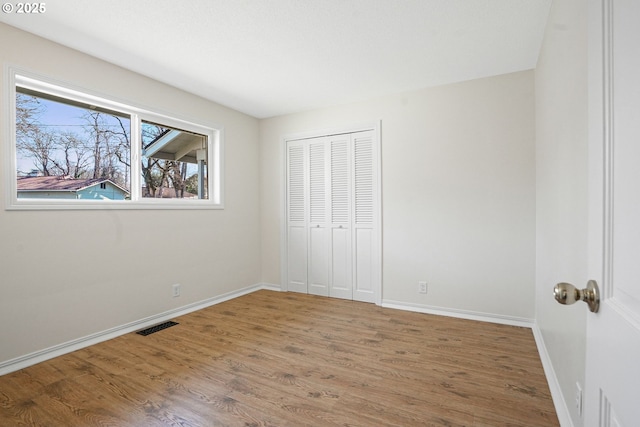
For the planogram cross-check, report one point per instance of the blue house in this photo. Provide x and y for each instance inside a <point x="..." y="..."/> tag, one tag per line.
<point x="63" y="187"/>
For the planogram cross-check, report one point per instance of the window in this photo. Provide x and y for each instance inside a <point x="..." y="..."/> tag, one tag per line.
<point x="70" y="149"/>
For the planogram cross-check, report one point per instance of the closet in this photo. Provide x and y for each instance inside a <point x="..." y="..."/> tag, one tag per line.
<point x="332" y="212"/>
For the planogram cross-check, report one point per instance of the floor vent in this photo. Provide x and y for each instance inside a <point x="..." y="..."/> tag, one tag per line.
<point x="156" y="328"/>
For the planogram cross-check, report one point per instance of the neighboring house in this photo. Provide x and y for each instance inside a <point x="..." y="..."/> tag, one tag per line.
<point x="62" y="187"/>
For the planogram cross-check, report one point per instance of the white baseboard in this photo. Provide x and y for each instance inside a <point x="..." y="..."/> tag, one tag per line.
<point x="564" y="416"/>
<point x="270" y="287"/>
<point x="73" y="345"/>
<point x="462" y="314"/>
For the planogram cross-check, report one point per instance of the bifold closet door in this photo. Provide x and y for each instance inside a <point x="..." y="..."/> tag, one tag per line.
<point x="332" y="234"/>
<point x="341" y="277"/>
<point x="365" y="222"/>
<point x="297" y="196"/>
<point x="318" y="262"/>
<point x="307" y="214"/>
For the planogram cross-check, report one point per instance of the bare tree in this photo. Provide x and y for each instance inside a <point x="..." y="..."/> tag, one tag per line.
<point x="177" y="173"/>
<point x="101" y="149"/>
<point x="39" y="147"/>
<point x="28" y="111"/>
<point x="30" y="138"/>
<point x="96" y="132"/>
<point x="122" y="149"/>
<point x="76" y="160"/>
<point x="109" y="148"/>
<point x="154" y="172"/>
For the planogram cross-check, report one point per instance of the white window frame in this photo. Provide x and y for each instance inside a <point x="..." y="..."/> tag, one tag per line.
<point x="17" y="77"/>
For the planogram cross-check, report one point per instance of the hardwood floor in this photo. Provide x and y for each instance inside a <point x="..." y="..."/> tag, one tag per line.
<point x="286" y="359"/>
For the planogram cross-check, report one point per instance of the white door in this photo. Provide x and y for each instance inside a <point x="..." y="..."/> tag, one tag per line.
<point x="296" y="217"/>
<point x="333" y="216"/>
<point x="340" y="210"/>
<point x="365" y="222"/>
<point x="613" y="334"/>
<point x="318" y="250"/>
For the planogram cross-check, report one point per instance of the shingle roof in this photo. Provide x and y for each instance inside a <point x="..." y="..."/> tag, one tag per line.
<point x="57" y="183"/>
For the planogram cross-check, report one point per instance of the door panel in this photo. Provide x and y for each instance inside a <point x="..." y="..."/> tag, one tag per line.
<point x="341" y="277"/>
<point x="613" y="334"/>
<point x="341" y="263"/>
<point x="364" y="184"/>
<point x="340" y="185"/>
<point x="297" y="260"/>
<point x="318" y="263"/>
<point x="364" y="262"/>
<point x="296" y="218"/>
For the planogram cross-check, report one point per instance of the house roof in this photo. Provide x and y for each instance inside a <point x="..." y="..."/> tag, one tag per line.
<point x="174" y="144"/>
<point x="60" y="183"/>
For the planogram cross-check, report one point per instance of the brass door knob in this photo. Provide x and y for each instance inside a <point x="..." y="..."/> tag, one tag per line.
<point x="566" y="293"/>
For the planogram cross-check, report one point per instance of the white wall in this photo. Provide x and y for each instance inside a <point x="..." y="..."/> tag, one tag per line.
<point x="69" y="274"/>
<point x="562" y="176"/>
<point x="458" y="189"/>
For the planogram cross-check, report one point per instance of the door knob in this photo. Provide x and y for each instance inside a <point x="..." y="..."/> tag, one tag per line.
<point x="566" y="293"/>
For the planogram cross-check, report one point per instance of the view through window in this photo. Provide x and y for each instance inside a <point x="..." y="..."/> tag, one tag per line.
<point x="70" y="148"/>
<point x="65" y="149"/>
<point x="173" y="162"/>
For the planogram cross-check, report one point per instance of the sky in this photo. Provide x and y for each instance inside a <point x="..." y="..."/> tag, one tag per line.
<point x="59" y="118"/>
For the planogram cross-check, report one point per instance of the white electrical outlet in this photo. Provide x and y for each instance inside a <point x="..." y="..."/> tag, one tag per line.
<point x="579" y="399"/>
<point x="422" y="287"/>
<point x="176" y="290"/>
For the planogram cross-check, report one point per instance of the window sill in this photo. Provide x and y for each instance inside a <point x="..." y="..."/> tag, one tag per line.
<point x="172" y="204"/>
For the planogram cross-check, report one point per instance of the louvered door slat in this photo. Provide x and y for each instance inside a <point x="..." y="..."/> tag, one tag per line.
<point x="339" y="181"/>
<point x="296" y="213"/>
<point x="317" y="196"/>
<point x="296" y="183"/>
<point x="363" y="177"/>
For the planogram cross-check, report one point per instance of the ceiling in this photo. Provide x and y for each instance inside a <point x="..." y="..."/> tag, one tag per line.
<point x="273" y="57"/>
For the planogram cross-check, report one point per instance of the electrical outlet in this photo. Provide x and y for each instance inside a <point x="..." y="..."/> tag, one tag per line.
<point x="422" y="287"/>
<point x="176" y="290"/>
<point x="579" y="399"/>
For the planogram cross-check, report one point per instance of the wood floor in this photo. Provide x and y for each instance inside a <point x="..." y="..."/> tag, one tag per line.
<point x="286" y="359"/>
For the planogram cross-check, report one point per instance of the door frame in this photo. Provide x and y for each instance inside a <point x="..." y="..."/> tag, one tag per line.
<point x="375" y="127"/>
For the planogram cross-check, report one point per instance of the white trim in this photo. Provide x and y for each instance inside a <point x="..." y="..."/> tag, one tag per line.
<point x="339" y="130"/>
<point x="460" y="314"/>
<point x="79" y="343"/>
<point x="560" y="404"/>
<point x="17" y="76"/>
<point x="377" y="132"/>
<point x="284" y="277"/>
<point x="270" y="287"/>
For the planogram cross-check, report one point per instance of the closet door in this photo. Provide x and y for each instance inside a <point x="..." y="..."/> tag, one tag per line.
<point x="365" y="218"/>
<point x="333" y="221"/>
<point x="318" y="259"/>
<point x="341" y="280"/>
<point x="297" y="216"/>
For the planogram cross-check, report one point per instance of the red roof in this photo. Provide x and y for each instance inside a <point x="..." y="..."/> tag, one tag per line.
<point x="57" y="183"/>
